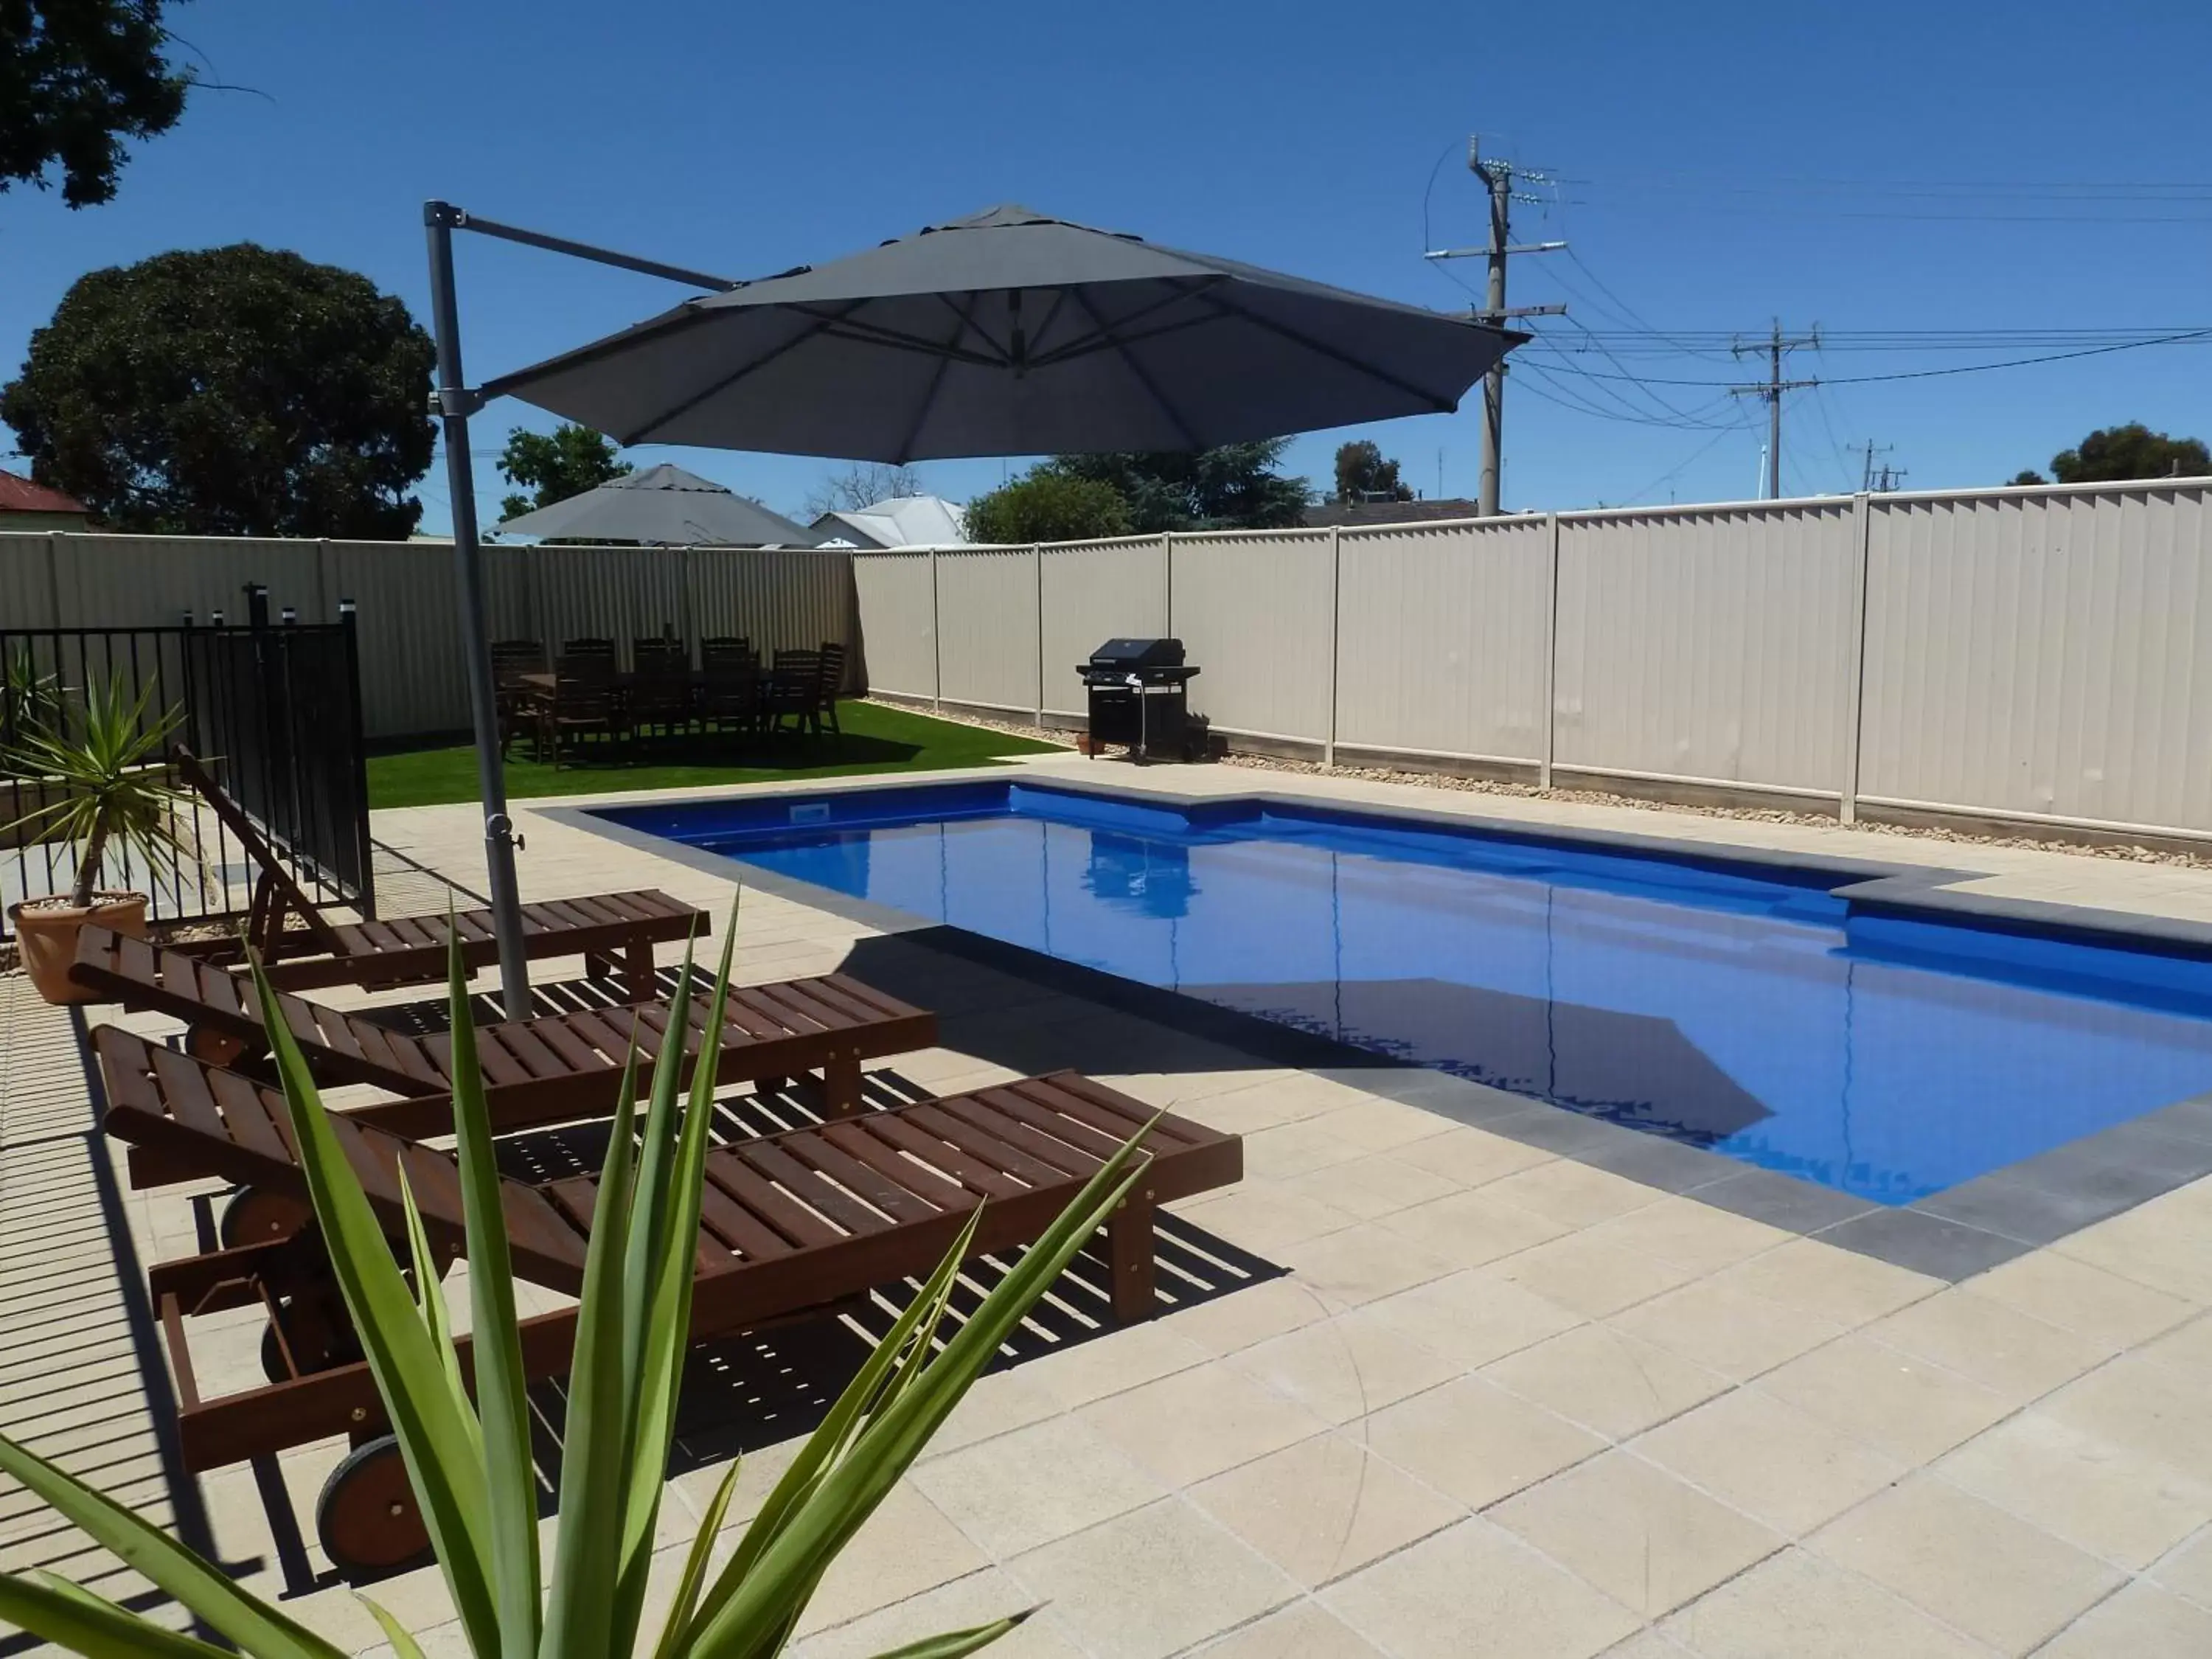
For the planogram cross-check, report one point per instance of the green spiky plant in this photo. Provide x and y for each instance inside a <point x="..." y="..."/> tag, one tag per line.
<point x="468" y="1460"/>
<point x="109" y="783"/>
<point x="30" y="702"/>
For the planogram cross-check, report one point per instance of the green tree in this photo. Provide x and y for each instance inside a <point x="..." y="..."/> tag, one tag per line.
<point x="2028" y="475"/>
<point x="2112" y="454"/>
<point x="564" y="462"/>
<point x="236" y="391"/>
<point x="77" y="77"/>
<point x="1363" y="474"/>
<point x="1231" y="487"/>
<point x="1043" y="505"/>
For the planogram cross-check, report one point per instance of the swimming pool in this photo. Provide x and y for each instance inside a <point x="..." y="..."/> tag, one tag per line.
<point x="1746" y="1009"/>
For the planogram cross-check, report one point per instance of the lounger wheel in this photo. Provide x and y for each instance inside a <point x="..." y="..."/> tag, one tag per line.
<point x="255" y="1217"/>
<point x="317" y="1332"/>
<point x="367" y="1518"/>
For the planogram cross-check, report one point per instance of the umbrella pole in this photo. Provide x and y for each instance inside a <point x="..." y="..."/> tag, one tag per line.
<point x="455" y="402"/>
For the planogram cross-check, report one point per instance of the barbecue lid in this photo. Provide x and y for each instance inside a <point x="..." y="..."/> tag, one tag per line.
<point x="1138" y="653"/>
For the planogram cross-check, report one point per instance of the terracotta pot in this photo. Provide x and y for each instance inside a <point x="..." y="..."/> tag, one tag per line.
<point x="46" y="930"/>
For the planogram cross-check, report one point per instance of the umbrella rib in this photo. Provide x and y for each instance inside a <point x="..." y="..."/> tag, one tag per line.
<point x="1111" y="335"/>
<point x="1175" y="416"/>
<point x="963" y="320"/>
<point x="727" y="382"/>
<point x="1442" y="406"/>
<point x="1108" y="342"/>
<point x="844" y="327"/>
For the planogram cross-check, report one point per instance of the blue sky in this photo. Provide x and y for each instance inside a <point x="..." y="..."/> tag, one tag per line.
<point x="1866" y="168"/>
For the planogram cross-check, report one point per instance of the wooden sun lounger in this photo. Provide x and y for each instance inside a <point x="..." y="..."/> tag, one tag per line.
<point x="791" y="1224"/>
<point x="605" y="929"/>
<point x="549" y="1069"/>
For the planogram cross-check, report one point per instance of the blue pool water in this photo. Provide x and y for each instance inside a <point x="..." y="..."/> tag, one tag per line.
<point x="1751" y="1013"/>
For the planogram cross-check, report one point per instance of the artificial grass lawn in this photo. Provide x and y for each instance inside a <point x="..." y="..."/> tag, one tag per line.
<point x="877" y="740"/>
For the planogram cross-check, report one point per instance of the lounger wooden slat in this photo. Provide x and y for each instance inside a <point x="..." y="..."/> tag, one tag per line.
<point x="1081" y="1136"/>
<point x="375" y="1157"/>
<point x="850" y="1172"/>
<point x="749" y="1271"/>
<point x="548" y="1069"/>
<point x="412" y="949"/>
<point x="778" y="1209"/>
<point x="775" y="1002"/>
<point x="735" y="1225"/>
<point x="258" y="1121"/>
<point x="774" y="1164"/>
<point x="996" y="1151"/>
<point x="1055" y="1153"/>
<point x="971" y="1172"/>
<point x="185" y="1085"/>
<point x="1108" y="1112"/>
<point x="136" y="959"/>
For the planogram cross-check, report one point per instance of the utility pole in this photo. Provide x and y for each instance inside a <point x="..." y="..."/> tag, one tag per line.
<point x="1499" y="177"/>
<point x="1772" y="390"/>
<point x="1886" y="483"/>
<point x="1870" y="449"/>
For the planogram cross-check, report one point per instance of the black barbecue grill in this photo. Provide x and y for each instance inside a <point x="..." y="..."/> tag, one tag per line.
<point x="1139" y="697"/>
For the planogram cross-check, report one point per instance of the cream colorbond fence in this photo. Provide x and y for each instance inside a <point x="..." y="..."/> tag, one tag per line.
<point x="412" y="679"/>
<point x="2039" y="656"/>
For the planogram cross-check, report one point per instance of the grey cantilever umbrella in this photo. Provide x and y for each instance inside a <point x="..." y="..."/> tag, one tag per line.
<point x="1012" y="333"/>
<point x="663" y="506"/>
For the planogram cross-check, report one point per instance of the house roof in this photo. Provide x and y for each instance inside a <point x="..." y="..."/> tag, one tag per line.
<point x="1340" y="512"/>
<point x="21" y="494"/>
<point x="903" y="521"/>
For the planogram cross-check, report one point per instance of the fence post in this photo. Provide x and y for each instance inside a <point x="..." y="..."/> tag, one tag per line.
<point x="54" y="574"/>
<point x="1167" y="584"/>
<point x="1036" y="554"/>
<point x="346" y="620"/>
<point x="936" y="644"/>
<point x="322" y="578"/>
<point x="1336" y="634"/>
<point x="1847" y="802"/>
<point x="1549" y="743"/>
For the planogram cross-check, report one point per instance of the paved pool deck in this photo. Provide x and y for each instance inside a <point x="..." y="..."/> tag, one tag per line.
<point x="1454" y="1391"/>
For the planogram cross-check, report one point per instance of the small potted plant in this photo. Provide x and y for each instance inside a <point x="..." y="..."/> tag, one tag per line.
<point x="105" y="786"/>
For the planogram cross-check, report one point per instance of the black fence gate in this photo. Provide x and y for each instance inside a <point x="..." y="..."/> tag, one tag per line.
<point x="274" y="711"/>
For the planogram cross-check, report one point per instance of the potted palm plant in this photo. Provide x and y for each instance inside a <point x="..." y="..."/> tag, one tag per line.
<point x="105" y="785"/>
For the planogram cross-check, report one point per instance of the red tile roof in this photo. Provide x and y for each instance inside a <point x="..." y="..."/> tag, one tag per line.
<point x="18" y="495"/>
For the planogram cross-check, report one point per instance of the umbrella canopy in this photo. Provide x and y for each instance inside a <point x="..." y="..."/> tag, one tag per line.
<point x="664" y="505"/>
<point x="1012" y="333"/>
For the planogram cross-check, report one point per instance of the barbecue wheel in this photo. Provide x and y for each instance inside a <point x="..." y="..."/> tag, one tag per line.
<point x="368" y="1519"/>
<point x="254" y="1217"/>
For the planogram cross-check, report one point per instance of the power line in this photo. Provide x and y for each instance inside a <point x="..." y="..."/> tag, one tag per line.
<point x="1695" y="455"/>
<point x="2189" y="336"/>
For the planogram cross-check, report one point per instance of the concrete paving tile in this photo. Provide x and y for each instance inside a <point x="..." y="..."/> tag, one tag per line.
<point x="908" y="1546"/>
<point x="1365" y="1263"/>
<point x="2076" y="1296"/>
<point x="1376" y="1185"/>
<point x="1474" y="1157"/>
<point x="1380" y="1125"/>
<point x="1590" y="1276"/>
<point x="2142" y="1622"/>
<point x="1475" y="1442"/>
<point x="998" y="1402"/>
<point x="1324" y="1507"/>
<point x="1034" y="1485"/>
<point x="1346" y="1367"/>
<point x="1476" y="1589"/>
<point x="1152" y="1582"/>
<point x="1470" y="1228"/>
<point x="2189" y="1346"/>
<point x="1606" y="1380"/>
<point x="1797" y="1207"/>
<point x="1903" y="1405"/>
<point x="2113" y="1503"/>
<point x="1797" y="1605"/>
<point x="1228" y="1323"/>
<point x="1198" y="1422"/>
<point x="2188" y="1571"/>
<point x="1690" y="1234"/>
<point x="1307" y="1631"/>
<point x="1936" y="1245"/>
<point x="1838" y="1285"/>
<point x="1107" y="1365"/>
<point x="1474" y="1316"/>
<point x="977" y="1598"/>
<point x="1572" y="1194"/>
<point x="1726" y="1331"/>
<point x="2160" y="1412"/>
<point x="1971" y="1564"/>
<point x="1297" y="1148"/>
<point x="1769" y="1460"/>
<point x="2164" y="1245"/>
<point x="1267" y="1219"/>
<point x="1636" y="1532"/>
<point x="2020" y="1357"/>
